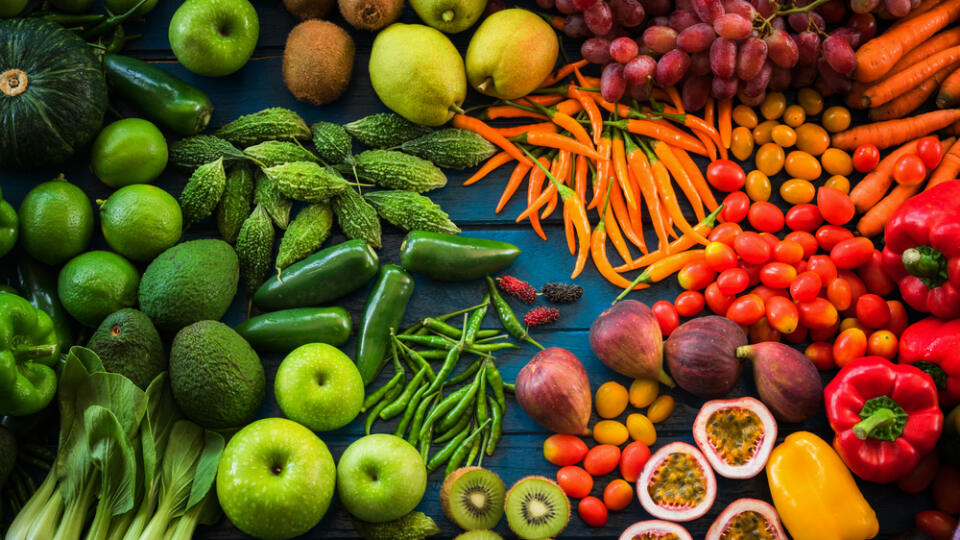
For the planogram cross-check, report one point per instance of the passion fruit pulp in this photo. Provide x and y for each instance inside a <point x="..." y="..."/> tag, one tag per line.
<point x="735" y="435"/>
<point x="655" y="529"/>
<point x="747" y="518"/>
<point x="677" y="483"/>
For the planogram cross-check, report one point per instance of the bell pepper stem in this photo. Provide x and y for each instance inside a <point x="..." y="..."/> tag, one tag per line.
<point x="925" y="262"/>
<point x="878" y="419"/>
<point x="27" y="352"/>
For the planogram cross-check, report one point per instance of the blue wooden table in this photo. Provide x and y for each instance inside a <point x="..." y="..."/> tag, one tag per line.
<point x="259" y="85"/>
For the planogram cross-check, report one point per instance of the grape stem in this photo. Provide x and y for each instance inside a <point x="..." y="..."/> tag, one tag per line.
<point x="803" y="9"/>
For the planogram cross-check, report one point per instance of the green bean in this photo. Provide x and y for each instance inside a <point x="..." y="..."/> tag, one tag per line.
<point x="508" y="319"/>
<point x="459" y="452"/>
<point x="382" y="391"/>
<point x="496" y="383"/>
<point x="444" y="454"/>
<point x="375" y="412"/>
<point x="510" y="387"/>
<point x="425" y="443"/>
<point x="476" y="319"/>
<point x="448" y="433"/>
<point x="411" y="407"/>
<point x="496" y="428"/>
<point x="428" y="401"/>
<point x="466" y="373"/>
<point x="461" y="408"/>
<point x="448" y="364"/>
<point x="441" y="409"/>
<point x="400" y="404"/>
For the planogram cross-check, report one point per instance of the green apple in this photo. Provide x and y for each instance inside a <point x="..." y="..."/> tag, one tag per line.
<point x="319" y="386"/>
<point x="214" y="37"/>
<point x="381" y="477"/>
<point x="275" y="479"/>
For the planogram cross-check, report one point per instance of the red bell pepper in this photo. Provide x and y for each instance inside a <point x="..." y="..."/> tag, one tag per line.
<point x="933" y="345"/>
<point x="885" y="416"/>
<point x="922" y="251"/>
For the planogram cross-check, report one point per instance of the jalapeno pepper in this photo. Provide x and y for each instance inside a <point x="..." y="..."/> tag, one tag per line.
<point x="284" y="331"/>
<point x="38" y="284"/>
<point x="446" y="257"/>
<point x="382" y="314"/>
<point x="326" y="275"/>
<point x="28" y="351"/>
<point x="9" y="226"/>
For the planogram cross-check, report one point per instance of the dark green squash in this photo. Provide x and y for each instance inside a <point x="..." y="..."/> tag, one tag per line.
<point x="52" y="93"/>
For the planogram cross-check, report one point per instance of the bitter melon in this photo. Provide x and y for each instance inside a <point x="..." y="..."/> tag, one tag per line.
<point x="357" y="219"/>
<point x="202" y="193"/>
<point x="192" y="152"/>
<point x="273" y="153"/>
<point x="235" y="203"/>
<point x="275" y="123"/>
<point x="306" y="234"/>
<point x="451" y="148"/>
<point x="384" y="130"/>
<point x="306" y="181"/>
<point x="411" y="211"/>
<point x="396" y="170"/>
<point x="276" y="204"/>
<point x="254" y="248"/>
<point x="332" y="142"/>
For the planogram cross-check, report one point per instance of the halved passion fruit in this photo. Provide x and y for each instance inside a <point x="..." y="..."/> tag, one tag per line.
<point x="655" y="529"/>
<point x="736" y="435"/>
<point x="747" y="518"/>
<point x="677" y="483"/>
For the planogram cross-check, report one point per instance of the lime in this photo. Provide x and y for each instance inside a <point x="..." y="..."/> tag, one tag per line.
<point x="95" y="284"/>
<point x="140" y="221"/>
<point x="129" y="151"/>
<point x="56" y="222"/>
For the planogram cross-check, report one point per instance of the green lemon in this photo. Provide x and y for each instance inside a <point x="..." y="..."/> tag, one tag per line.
<point x="56" y="222"/>
<point x="95" y="284"/>
<point x="140" y="221"/>
<point x="129" y="151"/>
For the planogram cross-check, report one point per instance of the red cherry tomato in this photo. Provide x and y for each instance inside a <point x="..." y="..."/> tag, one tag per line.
<point x="873" y="311"/>
<point x="666" y="315"/>
<point x="820" y="354"/>
<point x="805" y="239"/>
<point x="601" y="459"/>
<point x="695" y="276"/>
<point x="865" y="158"/>
<point x="788" y="251"/>
<point x="719" y="256"/>
<point x="840" y="294"/>
<point x="753" y="270"/>
<point x="818" y="314"/>
<point x="929" y="150"/>
<point x="939" y="525"/>
<point x="831" y="235"/>
<point x="593" y="512"/>
<point x="898" y="317"/>
<point x="689" y="303"/>
<point x="746" y="309"/>
<point x="574" y="481"/>
<point x="849" y="345"/>
<point x="822" y="265"/>
<point x="725" y="175"/>
<point x="725" y="233"/>
<point x="767" y="293"/>
<point x="803" y="217"/>
<point x="874" y="277"/>
<point x="798" y="336"/>
<point x="782" y="314"/>
<point x="617" y="495"/>
<point x="777" y="275"/>
<point x="752" y="248"/>
<point x="765" y="216"/>
<point x="736" y="205"/>
<point x="852" y="253"/>
<point x="716" y="300"/>
<point x="632" y="460"/>
<point x="909" y="170"/>
<point x="922" y="475"/>
<point x="733" y="281"/>
<point x="824" y="334"/>
<point x="946" y="490"/>
<point x="835" y="206"/>
<point x="806" y="286"/>
<point x="882" y="343"/>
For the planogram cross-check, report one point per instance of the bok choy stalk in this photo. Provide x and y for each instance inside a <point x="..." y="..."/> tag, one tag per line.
<point x="205" y="513"/>
<point x="113" y="455"/>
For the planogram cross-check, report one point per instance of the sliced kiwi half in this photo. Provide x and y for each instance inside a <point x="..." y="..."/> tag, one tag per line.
<point x="479" y="535"/>
<point x="537" y="508"/>
<point x="473" y="497"/>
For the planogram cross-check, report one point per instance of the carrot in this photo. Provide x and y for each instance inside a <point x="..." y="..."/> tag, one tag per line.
<point x="641" y="171"/>
<point x="874" y="185"/>
<point x="564" y="71"/>
<point x="696" y="175"/>
<point x="663" y="268"/>
<point x="891" y="132"/>
<point x="593" y="112"/>
<point x="560" y="142"/>
<point x="501" y="158"/>
<point x="533" y="191"/>
<point x="623" y="217"/>
<point x="871" y="224"/>
<point x="949" y="95"/>
<point x="479" y="127"/>
<point x="620" y="169"/>
<point x="877" y="56"/>
<point x="516" y="178"/>
<point x="888" y="89"/>
<point x="949" y="166"/>
<point x="517" y="130"/>
<point x="725" y="121"/>
<point x="910" y="101"/>
<point x="663" y="132"/>
<point x="668" y="196"/>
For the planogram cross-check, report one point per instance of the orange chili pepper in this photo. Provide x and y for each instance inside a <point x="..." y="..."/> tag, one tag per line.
<point x="623" y="217"/>
<point x="679" y="245"/>
<point x="593" y="112"/>
<point x="516" y="178"/>
<point x="679" y="174"/>
<point x="517" y="130"/>
<point x="620" y="169"/>
<point x="725" y="121"/>
<point x="479" y="127"/>
<point x="569" y="232"/>
<point x="497" y="112"/>
<point x="561" y="171"/>
<point x="604" y="170"/>
<point x="580" y="171"/>
<point x="666" y="267"/>
<point x="641" y="170"/>
<point x="668" y="196"/>
<point x="569" y="107"/>
<point x="696" y="176"/>
<point x="498" y="159"/>
<point x="598" y="248"/>
<point x="533" y="191"/>
<point x="563" y="71"/>
<point x="665" y="132"/>
<point x="610" y="223"/>
<point x="560" y="142"/>
<point x="708" y="112"/>
<point x="545" y="100"/>
<point x="674" y="96"/>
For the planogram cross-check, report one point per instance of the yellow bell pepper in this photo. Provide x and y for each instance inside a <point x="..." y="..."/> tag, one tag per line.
<point x="815" y="494"/>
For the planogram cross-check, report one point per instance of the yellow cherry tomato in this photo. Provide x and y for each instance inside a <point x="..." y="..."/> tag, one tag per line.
<point x="643" y="392"/>
<point x="852" y="322"/>
<point x="836" y="119"/>
<point x="812" y="139"/>
<point x="797" y="191"/>
<point x="800" y="164"/>
<point x="773" y="105"/>
<point x="611" y="399"/>
<point x="784" y="135"/>
<point x="839" y="182"/>
<point x="761" y="133"/>
<point x="810" y="100"/>
<point x="641" y="429"/>
<point x="758" y="186"/>
<point x="769" y="159"/>
<point x="794" y="116"/>
<point x="660" y="409"/>
<point x="836" y="161"/>
<point x="741" y="143"/>
<point x="745" y="116"/>
<point x="610" y="432"/>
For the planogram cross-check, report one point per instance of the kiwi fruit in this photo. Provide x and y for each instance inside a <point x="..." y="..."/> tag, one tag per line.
<point x="479" y="535"/>
<point x="537" y="508"/>
<point x="473" y="497"/>
<point x="318" y="61"/>
<point x="309" y="9"/>
<point x="370" y="15"/>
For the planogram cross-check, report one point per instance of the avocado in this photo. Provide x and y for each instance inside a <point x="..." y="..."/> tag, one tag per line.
<point x="8" y="454"/>
<point x="216" y="377"/>
<point x="128" y="343"/>
<point x="190" y="282"/>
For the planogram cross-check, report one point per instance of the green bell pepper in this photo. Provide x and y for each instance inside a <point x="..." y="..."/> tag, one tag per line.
<point x="9" y="226"/>
<point x="28" y="352"/>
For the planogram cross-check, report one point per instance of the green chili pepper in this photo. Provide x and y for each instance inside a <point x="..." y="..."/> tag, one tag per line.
<point x="417" y="327"/>
<point x="461" y="408"/>
<point x="496" y="383"/>
<point x="425" y="438"/>
<point x="453" y="356"/>
<point x="412" y="406"/>
<point x="472" y="328"/>
<point x="482" y="413"/>
<point x="496" y="428"/>
<point x="441" y="408"/>
<point x="476" y="449"/>
<point x="433" y="354"/>
<point x="375" y="397"/>
<point x="383" y="312"/>
<point x="414" y="359"/>
<point x="441" y="327"/>
<point x="448" y="433"/>
<point x="490" y="347"/>
<point x="444" y="454"/>
<point x="510" y="387"/>
<point x="428" y="401"/>
<point x="466" y="373"/>
<point x="495" y="337"/>
<point x="442" y="342"/>
<point x="446" y="257"/>
<point x="400" y="404"/>
<point x="507" y="318"/>
<point x="471" y="443"/>
<point x="375" y="412"/>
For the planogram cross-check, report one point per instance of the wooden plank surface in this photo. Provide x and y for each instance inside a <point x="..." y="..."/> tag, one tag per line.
<point x="259" y="85"/>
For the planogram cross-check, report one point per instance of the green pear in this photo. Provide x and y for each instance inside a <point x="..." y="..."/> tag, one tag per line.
<point x="450" y="16"/>
<point x="418" y="73"/>
<point x="511" y="53"/>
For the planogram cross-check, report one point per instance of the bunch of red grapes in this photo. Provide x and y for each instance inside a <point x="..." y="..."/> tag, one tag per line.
<point x="722" y="47"/>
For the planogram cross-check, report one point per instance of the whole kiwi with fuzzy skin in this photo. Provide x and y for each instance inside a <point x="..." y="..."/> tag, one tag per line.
<point x="370" y="15"/>
<point x="309" y="9"/>
<point x="318" y="61"/>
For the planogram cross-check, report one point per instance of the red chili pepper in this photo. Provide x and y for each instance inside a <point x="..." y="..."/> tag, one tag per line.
<point x="886" y="417"/>
<point x="922" y="252"/>
<point x="932" y="345"/>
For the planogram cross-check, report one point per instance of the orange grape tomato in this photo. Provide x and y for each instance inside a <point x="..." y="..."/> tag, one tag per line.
<point x="777" y="275"/>
<point x="873" y="311"/>
<point x="762" y="133"/>
<point x="806" y="286"/>
<point x="758" y="186"/>
<point x="741" y="143"/>
<point x="695" y="276"/>
<point x="689" y="303"/>
<point x="783" y="135"/>
<point x="773" y="105"/>
<point x="634" y="457"/>
<point x="788" y="251"/>
<point x="812" y="139"/>
<point x="835" y="119"/>
<point x="574" y="481"/>
<point x="800" y="164"/>
<point x="820" y="354"/>
<point x="736" y="205"/>
<point x="716" y="300"/>
<point x="746" y="309"/>
<point x="745" y="116"/>
<point x="818" y="314"/>
<point x="618" y="494"/>
<point x="824" y="266"/>
<point x="882" y="343"/>
<point x="840" y="294"/>
<point x="835" y="206"/>
<point x="660" y="409"/>
<point x="752" y="248"/>
<point x="719" y="256"/>
<point x="766" y="217"/>
<point x="839" y="182"/>
<point x="782" y="314"/>
<point x="831" y="235"/>
<point x="601" y="459"/>
<point x="805" y="239"/>
<point x="810" y="100"/>
<point x="593" y="512"/>
<point x="769" y="159"/>
<point x="794" y="115"/>
<point x="848" y="346"/>
<point x="836" y="161"/>
<point x="725" y="233"/>
<point x="797" y="191"/>
<point x="803" y="217"/>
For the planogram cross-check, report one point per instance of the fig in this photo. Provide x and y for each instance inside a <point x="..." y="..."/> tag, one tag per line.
<point x="735" y="435"/>
<point x="743" y="518"/>
<point x="701" y="356"/>
<point x="627" y="338"/>
<point x="654" y="529"/>
<point x="677" y="483"/>
<point x="787" y="381"/>
<point x="554" y="390"/>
